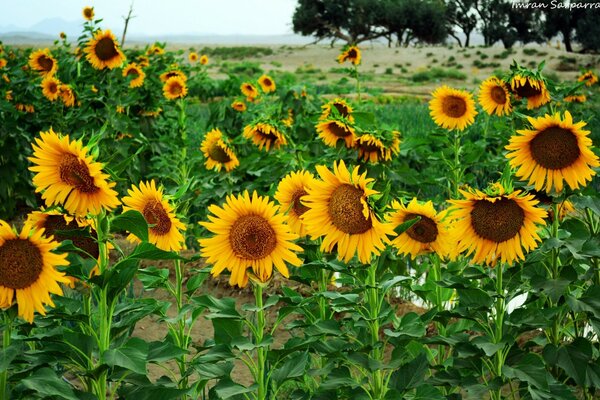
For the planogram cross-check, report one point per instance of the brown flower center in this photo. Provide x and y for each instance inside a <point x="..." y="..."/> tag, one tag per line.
<point x="217" y="153"/>
<point x="106" y="49"/>
<point x="267" y="82"/>
<point x="133" y="71"/>
<point x="175" y="89"/>
<point x="21" y="263"/>
<point x="346" y="210"/>
<point x="252" y="237"/>
<point x="370" y="147"/>
<point x="527" y="90"/>
<point x="46" y="63"/>
<point x="425" y="230"/>
<point x="352" y="54"/>
<point x="52" y="87"/>
<point x="454" y="106"/>
<point x="498" y="221"/>
<point x="341" y="109"/>
<point x="339" y="131"/>
<point x="88" y="13"/>
<point x="498" y="95"/>
<point x="155" y="214"/>
<point x="555" y="148"/>
<point x="297" y="205"/>
<point x="266" y="135"/>
<point x="74" y="172"/>
<point x="57" y="226"/>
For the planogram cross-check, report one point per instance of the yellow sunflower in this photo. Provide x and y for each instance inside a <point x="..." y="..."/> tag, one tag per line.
<point x="43" y="62"/>
<point x="494" y="97"/>
<point x="351" y="54"/>
<point x="88" y="13"/>
<point x="452" y="108"/>
<point x="565" y="207"/>
<point x="67" y="95"/>
<point x="135" y="71"/>
<point x="555" y="150"/>
<point x="265" y="135"/>
<point x="68" y="176"/>
<point x="217" y="153"/>
<point x="238" y="106"/>
<point x="373" y="149"/>
<point x="175" y="88"/>
<point x="28" y="270"/>
<point x="338" y="210"/>
<point x="496" y="227"/>
<point x="164" y="229"/>
<point x="289" y="120"/>
<point x="576" y="98"/>
<point x="155" y="50"/>
<point x="143" y="61"/>
<point x="249" y="90"/>
<point x="204" y="59"/>
<point x="248" y="233"/>
<point x="588" y="77"/>
<point x="50" y="87"/>
<point x="333" y="130"/>
<point x="429" y="234"/>
<point x="3" y="63"/>
<point x="193" y="57"/>
<point x="534" y="90"/>
<point x="342" y="107"/>
<point x="102" y="51"/>
<point x="290" y="192"/>
<point x="267" y="84"/>
<point x="170" y="74"/>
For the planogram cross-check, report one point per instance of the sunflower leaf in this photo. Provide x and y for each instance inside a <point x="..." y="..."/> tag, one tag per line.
<point x="403" y="227"/>
<point x="133" y="222"/>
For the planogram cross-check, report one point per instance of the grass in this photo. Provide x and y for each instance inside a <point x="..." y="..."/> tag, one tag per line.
<point x="438" y="74"/>
<point x="237" y="52"/>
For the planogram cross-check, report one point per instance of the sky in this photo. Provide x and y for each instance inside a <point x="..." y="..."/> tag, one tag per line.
<point x="159" y="17"/>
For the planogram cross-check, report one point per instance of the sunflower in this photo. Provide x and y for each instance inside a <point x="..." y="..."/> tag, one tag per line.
<point x="102" y="51"/>
<point x="135" y="71"/>
<point x="565" y="207"/>
<point x="155" y="50"/>
<point x="452" y="108"/>
<point x="499" y="226"/>
<point x="175" y="88"/>
<point x="264" y="135"/>
<point x="249" y="90"/>
<point x="3" y="63"/>
<point x="50" y="87"/>
<point x="290" y="192"/>
<point x="43" y="62"/>
<point x="374" y="149"/>
<point x="555" y="150"/>
<point x="28" y="270"/>
<point x="70" y="177"/>
<point x="289" y="120"/>
<point x="204" y="59"/>
<point x="249" y="233"/>
<point x="341" y="106"/>
<point x="351" y="54"/>
<point x="143" y="61"/>
<point x="494" y="97"/>
<point x="217" y="153"/>
<point x="333" y="130"/>
<point x="429" y="234"/>
<point x="267" y="84"/>
<point x="238" y="106"/>
<point x="88" y="13"/>
<point x="66" y="94"/>
<point x="338" y="210"/>
<point x="588" y="77"/>
<point x="173" y="73"/>
<point x="193" y="56"/>
<point x="534" y="90"/>
<point x="576" y="98"/>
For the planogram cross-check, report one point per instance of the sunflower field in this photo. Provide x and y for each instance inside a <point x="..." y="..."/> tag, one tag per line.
<point x="423" y="250"/>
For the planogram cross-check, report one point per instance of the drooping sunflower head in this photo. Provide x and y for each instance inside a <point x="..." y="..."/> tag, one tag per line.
<point x="102" y="51"/>
<point x="267" y="84"/>
<point x="143" y="61"/>
<point x="68" y="176"/>
<point x="175" y="88"/>
<point x="494" y="97"/>
<point x="193" y="56"/>
<point x="28" y="270"/>
<point x="88" y="13"/>
<point x="589" y="77"/>
<point x="531" y="88"/>
<point x="248" y="233"/>
<point x="575" y="98"/>
<point x="50" y="88"/>
<point x="43" y="62"/>
<point x="164" y="229"/>
<point x="289" y="120"/>
<point x="135" y="73"/>
<point x="429" y="234"/>
<point x="155" y="50"/>
<point x="330" y="131"/>
<point x="203" y="59"/>
<point x="249" y="90"/>
<point x="342" y="109"/>
<point x="338" y="210"/>
<point x="351" y="53"/>
<point x="452" y="108"/>
<point x="378" y="146"/>
<point x="67" y="95"/>
<point x="564" y="207"/>
<point x="556" y="150"/>
<point x="265" y="134"/>
<point x="290" y="192"/>
<point x="497" y="226"/>
<point x="238" y="106"/>
<point x="217" y="152"/>
<point x="170" y="74"/>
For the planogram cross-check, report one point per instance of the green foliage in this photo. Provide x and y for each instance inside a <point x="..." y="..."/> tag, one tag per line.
<point x="435" y="74"/>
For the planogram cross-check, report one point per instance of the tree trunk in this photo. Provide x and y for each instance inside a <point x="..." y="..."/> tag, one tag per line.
<point x="456" y="38"/>
<point x="468" y="39"/>
<point x="567" y="41"/>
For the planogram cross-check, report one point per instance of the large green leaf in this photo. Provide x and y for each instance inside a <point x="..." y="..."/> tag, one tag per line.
<point x="131" y="221"/>
<point x="293" y="367"/>
<point x="132" y="356"/>
<point x="45" y="383"/>
<point x="410" y="375"/>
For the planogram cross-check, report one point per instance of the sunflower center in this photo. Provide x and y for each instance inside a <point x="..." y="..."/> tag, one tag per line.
<point x="341" y="109"/>
<point x="217" y="153"/>
<point x="498" y="95"/>
<point x="498" y="221"/>
<point x="297" y="206"/>
<point x="346" y="210"/>
<point x="370" y="148"/>
<point x="155" y="214"/>
<point x="46" y="63"/>
<point x="267" y="82"/>
<point x="75" y="173"/>
<point x="425" y="230"/>
<point x="339" y="131"/>
<point x="267" y="135"/>
<point x="56" y="224"/>
<point x="555" y="148"/>
<point x="133" y="71"/>
<point x="352" y="54"/>
<point x="454" y="106"/>
<point x="106" y="49"/>
<point x="527" y="90"/>
<point x="52" y="87"/>
<point x="21" y="263"/>
<point x="252" y="237"/>
<point x="175" y="89"/>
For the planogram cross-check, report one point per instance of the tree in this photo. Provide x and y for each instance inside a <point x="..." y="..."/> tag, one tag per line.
<point x="587" y="31"/>
<point x="461" y="14"/>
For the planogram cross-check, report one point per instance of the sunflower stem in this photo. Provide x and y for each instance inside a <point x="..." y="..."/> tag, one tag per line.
<point x="498" y="320"/>
<point x="456" y="167"/>
<point x="182" y="128"/>
<point x="6" y="336"/>
<point x="374" y="307"/>
<point x="261" y="350"/>
<point x="357" y="82"/>
<point x="180" y="332"/>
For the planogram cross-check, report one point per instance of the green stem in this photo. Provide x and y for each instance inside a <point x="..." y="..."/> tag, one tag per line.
<point x="105" y="309"/>
<point x="261" y="350"/>
<point x="6" y="336"/>
<point x="182" y="128"/>
<point x="500" y="311"/>
<point x="374" y="307"/>
<point x="357" y="82"/>
<point x="322" y="282"/>
<point x="555" y="273"/>
<point x="436" y="275"/>
<point x="456" y="167"/>
<point x="181" y="336"/>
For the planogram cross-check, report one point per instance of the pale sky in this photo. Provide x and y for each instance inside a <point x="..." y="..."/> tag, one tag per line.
<point x="160" y="17"/>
